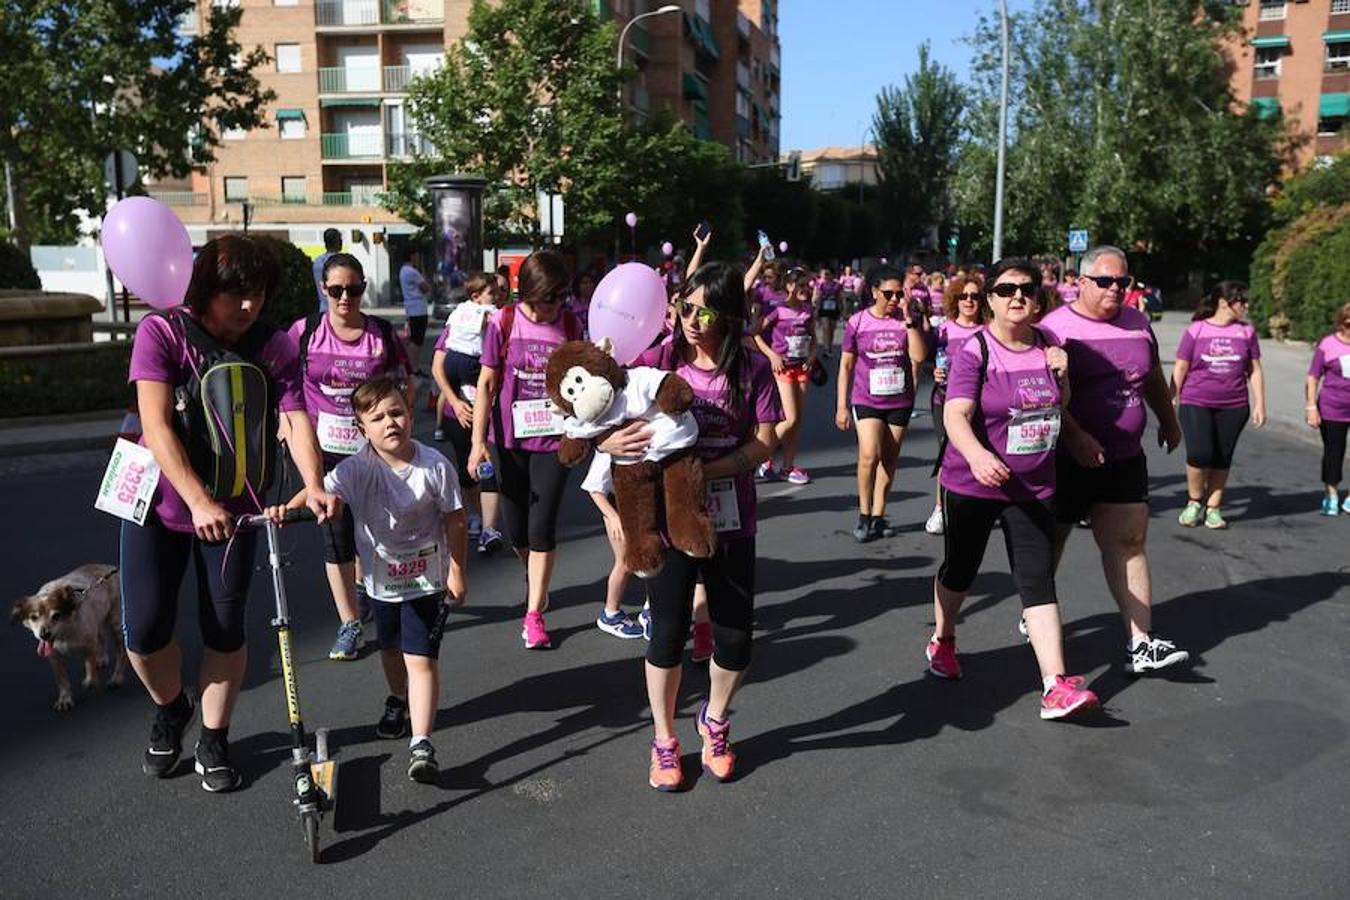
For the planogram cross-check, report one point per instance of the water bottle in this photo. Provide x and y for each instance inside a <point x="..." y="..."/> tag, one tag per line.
<point x="485" y="470"/>
<point x="940" y="360"/>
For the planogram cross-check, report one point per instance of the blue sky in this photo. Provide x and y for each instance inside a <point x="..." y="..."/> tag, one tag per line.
<point x="838" y="53"/>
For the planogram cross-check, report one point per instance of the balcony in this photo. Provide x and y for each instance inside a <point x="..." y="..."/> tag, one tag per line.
<point x="342" y="80"/>
<point x="351" y="198"/>
<point x="327" y="198"/>
<point x="352" y="146"/>
<point x="742" y="76"/>
<point x="742" y="28"/>
<point x="397" y="78"/>
<point x="179" y="198"/>
<point x="405" y="14"/>
<point x="403" y="144"/>
<point x="774" y="59"/>
<point x="640" y="39"/>
<point x="346" y="13"/>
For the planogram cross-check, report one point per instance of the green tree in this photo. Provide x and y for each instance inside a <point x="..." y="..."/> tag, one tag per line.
<point x="85" y="77"/>
<point x="918" y="129"/>
<point x="785" y="210"/>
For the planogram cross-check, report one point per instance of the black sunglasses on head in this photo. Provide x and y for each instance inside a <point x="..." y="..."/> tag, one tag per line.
<point x="355" y="291"/>
<point x="1105" y="281"/>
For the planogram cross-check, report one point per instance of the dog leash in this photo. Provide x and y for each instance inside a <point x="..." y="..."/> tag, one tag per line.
<point x="83" y="591"/>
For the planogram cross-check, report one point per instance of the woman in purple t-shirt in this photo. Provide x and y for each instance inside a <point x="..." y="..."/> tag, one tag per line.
<point x="232" y="277"/>
<point x="737" y="407"/>
<point x="1329" y="408"/>
<point x="1218" y="354"/>
<point x="1005" y="393"/>
<point x="787" y="338"/>
<point x="964" y="311"/>
<point x="513" y="399"/>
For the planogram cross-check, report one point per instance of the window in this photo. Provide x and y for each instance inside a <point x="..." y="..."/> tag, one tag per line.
<point x="292" y="189"/>
<point x="233" y="134"/>
<point x="292" y="129"/>
<point x="224" y="4"/>
<point x="1338" y="56"/>
<point x="1272" y="9"/>
<point x="703" y="9"/>
<point x="1330" y="126"/>
<point x="1268" y="61"/>
<point x="236" y="189"/>
<point x="286" y="2"/>
<point x="1340" y="7"/>
<point x="288" y="57"/>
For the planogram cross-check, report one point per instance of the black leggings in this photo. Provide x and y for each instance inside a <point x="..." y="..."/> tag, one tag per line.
<point x="531" y="488"/>
<point x="1211" y="434"/>
<point x="1028" y="535"/>
<point x="1333" y="450"/>
<point x="417" y="333"/>
<point x="339" y="538"/>
<point x="729" y="578"/>
<point x="152" y="564"/>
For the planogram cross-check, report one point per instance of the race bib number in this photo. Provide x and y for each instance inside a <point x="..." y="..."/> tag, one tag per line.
<point x="1345" y="366"/>
<point x="829" y="304"/>
<point x="468" y="392"/>
<point x="798" y="346"/>
<point x="408" y="573"/>
<point x="129" y="482"/>
<point x="535" y="418"/>
<point x="723" y="507"/>
<point x="1033" y="431"/>
<point x="339" y="434"/>
<point x="886" y="382"/>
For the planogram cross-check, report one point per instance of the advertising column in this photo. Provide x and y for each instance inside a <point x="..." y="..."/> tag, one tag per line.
<point x="457" y="226"/>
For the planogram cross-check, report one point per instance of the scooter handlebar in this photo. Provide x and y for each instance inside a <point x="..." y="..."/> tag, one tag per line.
<point x="293" y="515"/>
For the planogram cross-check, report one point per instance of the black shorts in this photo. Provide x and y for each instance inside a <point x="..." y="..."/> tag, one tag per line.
<point x="897" y="418"/>
<point x="832" y="314"/>
<point x="339" y="538"/>
<point x="411" y="626"/>
<point x="1079" y="489"/>
<point x="417" y="331"/>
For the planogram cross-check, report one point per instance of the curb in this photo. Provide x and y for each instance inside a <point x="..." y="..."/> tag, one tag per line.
<point x="58" y="445"/>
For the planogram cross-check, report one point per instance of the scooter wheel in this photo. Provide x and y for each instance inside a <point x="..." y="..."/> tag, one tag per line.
<point x="311" y="825"/>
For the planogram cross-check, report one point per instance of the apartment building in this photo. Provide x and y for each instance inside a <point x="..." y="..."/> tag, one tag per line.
<point x="840" y="168"/>
<point x="1296" y="60"/>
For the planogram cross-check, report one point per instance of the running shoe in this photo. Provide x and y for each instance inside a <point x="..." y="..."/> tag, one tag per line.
<point x="703" y="642"/>
<point x="942" y="661"/>
<point x="766" y="471"/>
<point x="1022" y="628"/>
<point x="620" y="625"/>
<point x="422" y="766"/>
<point x="533" y="633"/>
<point x="798" y="475"/>
<point x="1345" y="506"/>
<point x="212" y="762"/>
<point x="645" y="620"/>
<point x="718" y="760"/>
<point x="1214" y="519"/>
<point x="1068" y="696"/>
<point x="490" y="541"/>
<point x="882" y="528"/>
<point x="475" y="527"/>
<point x="1330" y="506"/>
<point x="394" y="721"/>
<point x="1153" y="653"/>
<point x="1192" y="515"/>
<point x="350" y="640"/>
<point x="862" y="533"/>
<point x="664" y="773"/>
<point x="166" y="740"/>
<point x="934" y="524"/>
<point x="438" y="435"/>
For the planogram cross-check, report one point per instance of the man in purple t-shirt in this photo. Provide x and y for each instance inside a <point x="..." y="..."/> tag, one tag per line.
<point x="1102" y="472"/>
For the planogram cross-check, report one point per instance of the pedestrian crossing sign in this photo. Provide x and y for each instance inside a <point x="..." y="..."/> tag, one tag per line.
<point x="1078" y="240"/>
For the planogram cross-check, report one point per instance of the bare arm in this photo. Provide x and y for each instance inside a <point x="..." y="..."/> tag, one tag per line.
<point x="304" y="449"/>
<point x="745" y="457"/>
<point x="1258" y="394"/>
<point x="700" y="247"/>
<point x="844" y="383"/>
<point x="752" y="273"/>
<point x="1180" y="369"/>
<point x="1159" y="399"/>
<point x="457" y="539"/>
<point x="489" y="384"/>
<point x="1310" y="394"/>
<point x="987" y="468"/>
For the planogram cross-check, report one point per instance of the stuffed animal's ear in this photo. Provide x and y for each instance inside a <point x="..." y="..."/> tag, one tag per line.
<point x="606" y="346"/>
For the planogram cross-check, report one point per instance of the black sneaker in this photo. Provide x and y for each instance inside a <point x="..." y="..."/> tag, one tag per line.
<point x="863" y="532"/>
<point x="213" y="764"/>
<point x="423" y="768"/>
<point x="881" y="528"/>
<point x="1154" y="653"/>
<point x="166" y="741"/>
<point x="394" y="723"/>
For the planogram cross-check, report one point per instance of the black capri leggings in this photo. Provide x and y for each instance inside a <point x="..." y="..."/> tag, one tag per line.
<point x="1333" y="450"/>
<point x="729" y="578"/>
<point x="152" y="564"/>
<point x="531" y="487"/>
<point x="1028" y="535"/>
<point x="417" y="332"/>
<point x="1211" y="434"/>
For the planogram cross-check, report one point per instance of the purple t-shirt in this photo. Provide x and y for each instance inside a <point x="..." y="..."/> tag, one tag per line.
<point x="1331" y="363"/>
<point x="768" y="298"/>
<point x="1068" y="291"/>
<point x="789" y="331"/>
<point x="1017" y="419"/>
<point x="949" y="337"/>
<point x="1108" y="364"/>
<point x="524" y="419"/>
<point x="882" y="374"/>
<point x="583" y="313"/>
<point x="160" y="353"/>
<point x="1220" y="358"/>
<point x="719" y="431"/>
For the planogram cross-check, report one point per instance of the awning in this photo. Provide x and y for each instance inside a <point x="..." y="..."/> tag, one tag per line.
<point x="1276" y="40"/>
<point x="1335" y="37"/>
<point x="1333" y="106"/>
<point x="1266" y="107"/>
<point x="291" y="114"/>
<point x="702" y="34"/>
<point x="350" y="101"/>
<point x="694" y="88"/>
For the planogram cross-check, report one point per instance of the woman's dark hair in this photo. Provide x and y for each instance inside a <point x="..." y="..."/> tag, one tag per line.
<point x="476" y="282"/>
<point x="1018" y="264"/>
<point x="724" y="293"/>
<point x="231" y="264"/>
<point x="879" y="273"/>
<point x="1224" y="290"/>
<point x="543" y="275"/>
<point x="345" y="261"/>
<point x="576" y="281"/>
<point x="795" y="275"/>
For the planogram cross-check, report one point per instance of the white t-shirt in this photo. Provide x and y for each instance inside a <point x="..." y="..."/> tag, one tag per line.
<point x="464" y="329"/>
<point x="399" y="530"/>
<point x="598" y="478"/>
<point x="410" y="281"/>
<point x="638" y="401"/>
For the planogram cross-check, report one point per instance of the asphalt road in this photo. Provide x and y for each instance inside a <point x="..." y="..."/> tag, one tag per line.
<point x="859" y="775"/>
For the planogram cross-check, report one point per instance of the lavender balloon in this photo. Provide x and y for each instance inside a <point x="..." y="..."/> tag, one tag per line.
<point x="628" y="307"/>
<point x="149" y="250"/>
<point x="631" y="219"/>
<point x="668" y="249"/>
<point x="782" y="246"/>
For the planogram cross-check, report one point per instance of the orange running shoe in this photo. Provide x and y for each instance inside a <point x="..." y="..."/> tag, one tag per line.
<point x="718" y="760"/>
<point x="665" y="773"/>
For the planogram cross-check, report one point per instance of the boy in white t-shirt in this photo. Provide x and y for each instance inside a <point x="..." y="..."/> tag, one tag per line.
<point x="412" y="539"/>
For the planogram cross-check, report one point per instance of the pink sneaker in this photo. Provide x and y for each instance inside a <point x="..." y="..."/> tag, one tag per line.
<point x="703" y="642"/>
<point x="942" y="661"/>
<point x="1068" y="696"/>
<point x="797" y="475"/>
<point x="533" y="633"/>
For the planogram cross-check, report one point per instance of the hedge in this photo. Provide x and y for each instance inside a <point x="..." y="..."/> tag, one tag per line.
<point x="295" y="296"/>
<point x="67" y="380"/>
<point x="1300" y="275"/>
<point x="16" y="269"/>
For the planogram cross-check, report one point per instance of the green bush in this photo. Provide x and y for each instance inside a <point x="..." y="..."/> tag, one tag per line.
<point x="295" y="296"/>
<point x="1301" y="274"/>
<point x="16" y="269"/>
<point x="65" y="381"/>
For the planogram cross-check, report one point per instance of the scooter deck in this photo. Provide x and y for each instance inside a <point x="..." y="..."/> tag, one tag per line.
<point x="325" y="776"/>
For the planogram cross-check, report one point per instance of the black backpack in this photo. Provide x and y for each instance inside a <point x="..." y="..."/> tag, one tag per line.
<point x="314" y="320"/>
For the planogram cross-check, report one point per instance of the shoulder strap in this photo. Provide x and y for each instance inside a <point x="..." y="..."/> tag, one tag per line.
<point x="508" y="320"/>
<point x="387" y="335"/>
<point x="571" y="325"/>
<point x="312" y="322"/>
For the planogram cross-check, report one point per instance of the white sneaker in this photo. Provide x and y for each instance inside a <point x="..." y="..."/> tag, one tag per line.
<point x="934" y="523"/>
<point x="475" y="527"/>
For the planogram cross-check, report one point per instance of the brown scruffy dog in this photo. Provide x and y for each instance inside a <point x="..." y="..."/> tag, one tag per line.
<point x="80" y="611"/>
<point x="664" y="485"/>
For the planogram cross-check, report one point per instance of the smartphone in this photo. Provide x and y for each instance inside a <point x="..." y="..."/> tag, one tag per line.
<point x="703" y="230"/>
<point x="766" y="244"/>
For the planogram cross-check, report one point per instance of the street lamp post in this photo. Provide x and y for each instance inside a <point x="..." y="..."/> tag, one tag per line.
<point x="1002" y="140"/>
<point x="623" y="39"/>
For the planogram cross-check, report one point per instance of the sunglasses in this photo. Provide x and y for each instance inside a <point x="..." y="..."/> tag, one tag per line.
<point x="1106" y="281"/>
<point x="705" y="317"/>
<point x="970" y="295"/>
<point x="355" y="291"/>
<point x="891" y="295"/>
<point x="1009" y="289"/>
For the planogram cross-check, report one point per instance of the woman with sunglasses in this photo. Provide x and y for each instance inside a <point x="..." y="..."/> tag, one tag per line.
<point x="1218" y="355"/>
<point x="736" y="406"/>
<point x="1329" y="408"/>
<point x="1005" y="392"/>
<point x="964" y="311"/>
<point x="787" y="338"/>
<point x="339" y="349"/>
<point x="875" y="392"/>
<point x="513" y="400"/>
